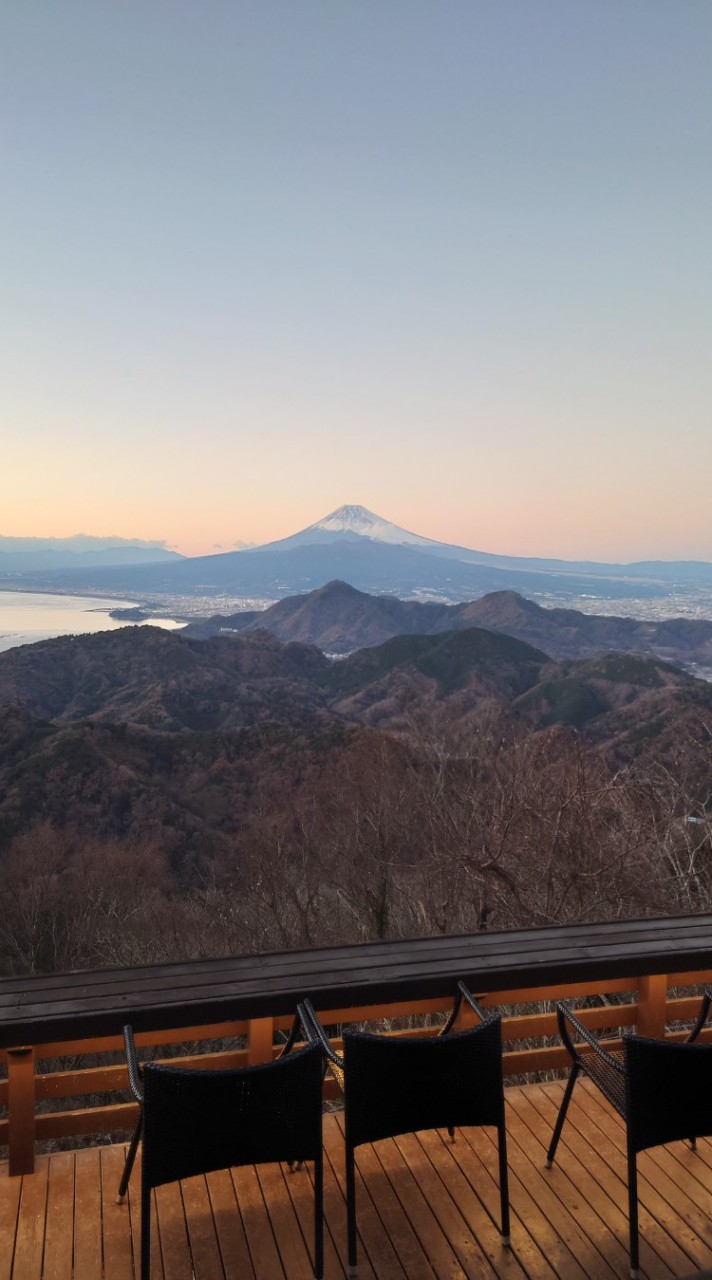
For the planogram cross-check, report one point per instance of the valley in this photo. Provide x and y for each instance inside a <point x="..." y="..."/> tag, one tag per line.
<point x="343" y="765"/>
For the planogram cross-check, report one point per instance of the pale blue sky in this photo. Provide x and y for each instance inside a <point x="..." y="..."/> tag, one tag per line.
<point x="450" y="260"/>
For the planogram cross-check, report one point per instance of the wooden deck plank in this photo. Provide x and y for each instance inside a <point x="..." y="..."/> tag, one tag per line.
<point x="173" y="1233"/>
<point x="407" y="1183"/>
<point x="689" y="1171"/>
<point x="296" y="1256"/>
<point x="396" y="1223"/>
<point x="373" y="1239"/>
<point x="591" y="1207"/>
<point x="479" y="1208"/>
<point x="232" y="1241"/>
<point x="698" y="1163"/>
<point x="426" y="1209"/>
<point x="583" y="1164"/>
<point x="556" y="1245"/>
<point x="471" y="1256"/>
<point x="479" y="1172"/>
<point x="300" y="1188"/>
<point x="116" y="1220"/>
<point x="335" y="1208"/>
<point x="575" y="1221"/>
<point x="59" y="1230"/>
<point x="10" y="1189"/>
<point x="477" y="1161"/>
<point x="132" y="1206"/>
<point x="258" y="1228"/>
<point x="204" y="1248"/>
<point x="29" y="1239"/>
<point x="652" y="1231"/>
<point x="133" y="1202"/>
<point x="688" y="1225"/>
<point x="88" y="1248"/>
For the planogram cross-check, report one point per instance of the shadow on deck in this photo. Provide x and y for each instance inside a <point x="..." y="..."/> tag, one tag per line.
<point x="426" y="1209"/>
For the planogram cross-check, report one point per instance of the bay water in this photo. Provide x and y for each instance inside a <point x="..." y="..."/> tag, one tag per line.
<point x="27" y="616"/>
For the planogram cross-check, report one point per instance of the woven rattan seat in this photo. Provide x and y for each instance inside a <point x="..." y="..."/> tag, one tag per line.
<point x="195" y="1121"/>
<point x="395" y="1085"/>
<point x="660" y="1088"/>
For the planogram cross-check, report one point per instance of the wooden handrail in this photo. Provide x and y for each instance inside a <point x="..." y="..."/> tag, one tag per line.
<point x="44" y="1019"/>
<point x="645" y="1002"/>
<point x="94" y="1004"/>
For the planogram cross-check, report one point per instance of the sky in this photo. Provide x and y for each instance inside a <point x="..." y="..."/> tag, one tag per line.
<point x="449" y="259"/>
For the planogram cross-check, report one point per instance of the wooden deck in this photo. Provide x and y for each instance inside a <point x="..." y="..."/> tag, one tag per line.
<point x="425" y="1209"/>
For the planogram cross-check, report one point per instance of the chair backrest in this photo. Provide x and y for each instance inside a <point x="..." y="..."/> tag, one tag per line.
<point x="395" y="1085"/>
<point x="196" y="1121"/>
<point x="668" y="1091"/>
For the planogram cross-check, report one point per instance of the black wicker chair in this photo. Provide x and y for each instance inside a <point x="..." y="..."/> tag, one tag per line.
<point x="395" y="1085"/>
<point x="196" y="1121"/>
<point x="660" y="1088"/>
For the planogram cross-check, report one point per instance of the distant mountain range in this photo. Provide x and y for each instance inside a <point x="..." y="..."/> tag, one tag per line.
<point x="375" y="555"/>
<point x="338" y="619"/>
<point x="19" y="556"/>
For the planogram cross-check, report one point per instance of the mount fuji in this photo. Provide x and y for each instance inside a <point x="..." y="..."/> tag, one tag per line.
<point x="374" y="555"/>
<point x="350" y="522"/>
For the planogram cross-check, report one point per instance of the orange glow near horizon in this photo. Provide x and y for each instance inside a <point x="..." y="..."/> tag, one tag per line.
<point x="570" y="531"/>
<point x="479" y="311"/>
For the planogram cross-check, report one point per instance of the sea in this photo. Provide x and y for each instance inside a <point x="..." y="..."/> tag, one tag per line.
<point x="27" y="616"/>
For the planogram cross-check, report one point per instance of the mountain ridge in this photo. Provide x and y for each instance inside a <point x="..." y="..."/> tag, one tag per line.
<point x="166" y="682"/>
<point x="355" y="544"/>
<point x="338" y="619"/>
<point x="142" y="733"/>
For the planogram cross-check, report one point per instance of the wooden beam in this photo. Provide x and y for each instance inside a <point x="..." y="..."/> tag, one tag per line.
<point x="144" y="1039"/>
<point x="652" y="998"/>
<point x="64" y="1124"/>
<point x="260" y="1035"/>
<point x="21" y="1109"/>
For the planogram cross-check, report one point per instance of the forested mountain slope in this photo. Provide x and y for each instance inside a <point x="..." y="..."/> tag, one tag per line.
<point x="338" y="619"/>
<point x="162" y="796"/>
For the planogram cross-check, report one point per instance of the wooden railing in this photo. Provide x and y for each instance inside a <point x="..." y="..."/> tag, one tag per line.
<point x="38" y="1077"/>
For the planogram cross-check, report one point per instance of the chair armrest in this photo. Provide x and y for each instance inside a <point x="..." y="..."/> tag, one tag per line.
<point x="132" y="1062"/>
<point x="462" y="992"/>
<point x="300" y="1030"/>
<point x="484" y="1015"/>
<point x="701" y="1019"/>
<point x="566" y="1020"/>
<point x="317" y="1035"/>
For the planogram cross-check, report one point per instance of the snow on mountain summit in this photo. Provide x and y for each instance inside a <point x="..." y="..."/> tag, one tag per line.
<point x="358" y="526"/>
<point x="357" y="520"/>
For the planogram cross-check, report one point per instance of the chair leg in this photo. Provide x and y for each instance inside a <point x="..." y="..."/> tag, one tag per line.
<point x="633" y="1215"/>
<point x="573" y="1075"/>
<point x="130" y="1157"/>
<point x="504" y="1184"/>
<point x="451" y="1133"/>
<point x="145" y="1230"/>
<point x="319" y="1217"/>
<point x="351" y="1209"/>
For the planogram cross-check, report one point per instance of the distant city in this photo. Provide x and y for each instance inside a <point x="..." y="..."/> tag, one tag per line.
<point x="357" y="546"/>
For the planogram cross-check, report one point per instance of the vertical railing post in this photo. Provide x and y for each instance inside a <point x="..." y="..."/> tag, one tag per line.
<point x="260" y="1035"/>
<point x="652" y="998"/>
<point x="21" y="1110"/>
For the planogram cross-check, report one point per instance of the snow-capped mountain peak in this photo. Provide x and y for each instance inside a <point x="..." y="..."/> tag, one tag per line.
<point x="362" y="523"/>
